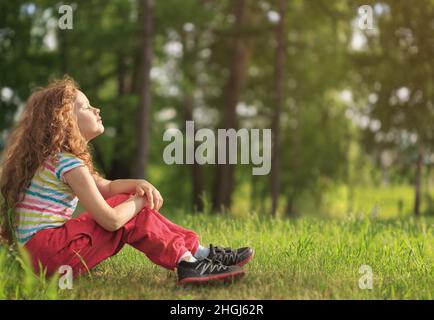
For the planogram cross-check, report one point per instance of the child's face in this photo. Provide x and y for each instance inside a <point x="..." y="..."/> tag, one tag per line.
<point x="88" y="118"/>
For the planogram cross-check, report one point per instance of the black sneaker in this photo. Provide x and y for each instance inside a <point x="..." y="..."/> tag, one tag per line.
<point x="229" y="256"/>
<point x="206" y="270"/>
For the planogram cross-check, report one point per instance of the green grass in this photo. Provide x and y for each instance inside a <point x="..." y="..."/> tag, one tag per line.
<point x="306" y="258"/>
<point x="17" y="280"/>
<point x="313" y="257"/>
<point x="383" y="201"/>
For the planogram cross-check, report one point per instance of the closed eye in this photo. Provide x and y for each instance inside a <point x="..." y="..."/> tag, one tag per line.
<point x="88" y="108"/>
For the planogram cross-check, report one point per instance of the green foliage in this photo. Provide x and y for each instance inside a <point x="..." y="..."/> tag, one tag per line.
<point x="322" y="147"/>
<point x="331" y="165"/>
<point x="395" y="71"/>
<point x="18" y="281"/>
<point x="305" y="258"/>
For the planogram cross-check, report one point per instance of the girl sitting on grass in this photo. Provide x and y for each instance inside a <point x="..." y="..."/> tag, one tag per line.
<point x="47" y="168"/>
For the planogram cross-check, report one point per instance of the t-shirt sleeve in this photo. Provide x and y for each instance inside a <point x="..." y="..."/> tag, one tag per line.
<point x="67" y="162"/>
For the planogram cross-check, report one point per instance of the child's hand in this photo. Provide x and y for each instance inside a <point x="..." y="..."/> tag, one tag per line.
<point x="153" y="196"/>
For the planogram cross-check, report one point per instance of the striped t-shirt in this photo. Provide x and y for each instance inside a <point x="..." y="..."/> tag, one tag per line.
<point x="49" y="201"/>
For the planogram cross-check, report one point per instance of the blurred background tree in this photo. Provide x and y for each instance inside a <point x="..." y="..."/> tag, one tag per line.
<point x="351" y="109"/>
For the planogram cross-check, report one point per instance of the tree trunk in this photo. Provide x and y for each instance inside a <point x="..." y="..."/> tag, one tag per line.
<point x="348" y="172"/>
<point x="428" y="189"/>
<point x="295" y="164"/>
<point x="189" y="82"/>
<point x="197" y="175"/>
<point x="119" y="166"/>
<point x="224" y="182"/>
<point x="279" y="101"/>
<point x="146" y="16"/>
<point x="293" y="191"/>
<point x="290" y="209"/>
<point x="419" y="166"/>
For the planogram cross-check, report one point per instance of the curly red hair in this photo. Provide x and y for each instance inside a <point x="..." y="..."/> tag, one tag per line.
<point x="46" y="127"/>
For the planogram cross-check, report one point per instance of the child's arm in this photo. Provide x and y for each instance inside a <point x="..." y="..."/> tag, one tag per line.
<point x="103" y="186"/>
<point x="141" y="187"/>
<point x="111" y="219"/>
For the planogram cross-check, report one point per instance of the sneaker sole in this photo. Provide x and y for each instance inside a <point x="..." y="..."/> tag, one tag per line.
<point x="242" y="263"/>
<point x="219" y="277"/>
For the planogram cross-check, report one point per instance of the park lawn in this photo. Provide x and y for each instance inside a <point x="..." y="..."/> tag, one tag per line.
<point x="305" y="258"/>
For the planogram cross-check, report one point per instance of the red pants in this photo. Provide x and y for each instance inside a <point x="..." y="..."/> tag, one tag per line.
<point x="81" y="243"/>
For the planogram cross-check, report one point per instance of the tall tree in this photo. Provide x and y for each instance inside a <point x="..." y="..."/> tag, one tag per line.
<point x="146" y="14"/>
<point x="279" y="101"/>
<point x="189" y="83"/>
<point x="418" y="178"/>
<point x="396" y="68"/>
<point x="224" y="181"/>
